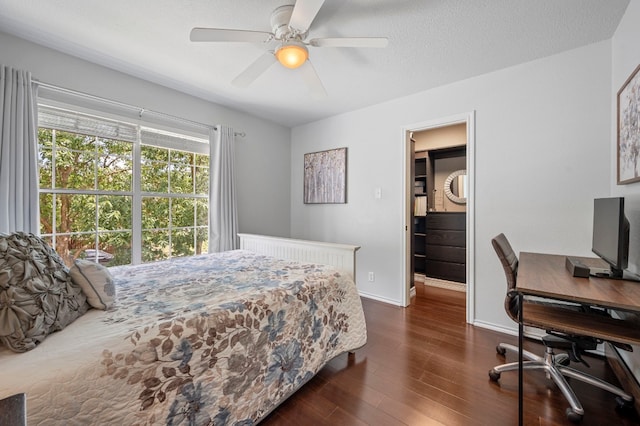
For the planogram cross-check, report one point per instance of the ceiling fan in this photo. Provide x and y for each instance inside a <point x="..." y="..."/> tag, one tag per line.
<point x="290" y="28"/>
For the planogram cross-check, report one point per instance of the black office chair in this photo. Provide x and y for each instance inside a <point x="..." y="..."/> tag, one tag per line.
<point x="558" y="320"/>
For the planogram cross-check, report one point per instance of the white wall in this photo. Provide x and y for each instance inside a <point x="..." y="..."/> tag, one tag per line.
<point x="625" y="59"/>
<point x="541" y="127"/>
<point x="263" y="156"/>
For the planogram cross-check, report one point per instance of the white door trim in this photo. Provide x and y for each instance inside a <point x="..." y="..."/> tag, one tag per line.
<point x="469" y="120"/>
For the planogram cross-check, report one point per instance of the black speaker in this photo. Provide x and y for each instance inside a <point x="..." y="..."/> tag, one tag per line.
<point x="577" y="268"/>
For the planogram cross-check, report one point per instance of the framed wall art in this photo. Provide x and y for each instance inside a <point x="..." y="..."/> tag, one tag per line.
<point x="629" y="130"/>
<point x="325" y="177"/>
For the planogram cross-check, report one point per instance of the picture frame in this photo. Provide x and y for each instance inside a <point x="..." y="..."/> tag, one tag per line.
<point x="628" y="130"/>
<point x="325" y="177"/>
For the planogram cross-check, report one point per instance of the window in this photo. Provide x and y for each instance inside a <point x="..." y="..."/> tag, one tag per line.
<point x="120" y="193"/>
<point x="175" y="214"/>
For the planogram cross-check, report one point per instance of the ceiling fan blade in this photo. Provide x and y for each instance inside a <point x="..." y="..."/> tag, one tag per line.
<point x="253" y="71"/>
<point x="304" y="12"/>
<point x="222" y="35"/>
<point x="310" y="76"/>
<point x="350" y="42"/>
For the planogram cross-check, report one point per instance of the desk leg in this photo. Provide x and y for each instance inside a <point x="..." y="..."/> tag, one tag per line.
<point x="520" y="341"/>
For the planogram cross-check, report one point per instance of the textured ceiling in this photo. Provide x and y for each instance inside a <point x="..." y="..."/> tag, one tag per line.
<point x="431" y="43"/>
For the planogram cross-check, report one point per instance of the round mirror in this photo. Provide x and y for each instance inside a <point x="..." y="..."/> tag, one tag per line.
<point x="455" y="186"/>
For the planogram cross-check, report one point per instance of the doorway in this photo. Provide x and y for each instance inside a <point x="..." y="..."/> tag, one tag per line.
<point x="435" y="198"/>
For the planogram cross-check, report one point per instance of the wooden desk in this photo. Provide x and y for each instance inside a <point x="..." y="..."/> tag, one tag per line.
<point x="545" y="275"/>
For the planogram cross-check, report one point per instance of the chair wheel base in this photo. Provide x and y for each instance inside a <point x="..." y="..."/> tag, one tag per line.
<point x="573" y="416"/>
<point x="622" y="405"/>
<point x="563" y="359"/>
<point x="501" y="350"/>
<point x="494" y="375"/>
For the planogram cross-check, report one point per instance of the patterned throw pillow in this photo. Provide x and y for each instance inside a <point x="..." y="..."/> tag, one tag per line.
<point x="96" y="282"/>
<point x="37" y="295"/>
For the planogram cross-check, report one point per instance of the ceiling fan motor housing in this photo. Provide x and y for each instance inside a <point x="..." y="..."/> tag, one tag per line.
<point x="280" y="18"/>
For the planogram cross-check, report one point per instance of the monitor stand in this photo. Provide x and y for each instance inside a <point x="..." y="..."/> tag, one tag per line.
<point x="600" y="272"/>
<point x="578" y="269"/>
<point x="606" y="273"/>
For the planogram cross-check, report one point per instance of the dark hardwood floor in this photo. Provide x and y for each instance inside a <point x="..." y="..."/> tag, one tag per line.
<point x="424" y="365"/>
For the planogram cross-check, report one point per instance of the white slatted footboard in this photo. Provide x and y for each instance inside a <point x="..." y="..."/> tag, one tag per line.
<point x="340" y="256"/>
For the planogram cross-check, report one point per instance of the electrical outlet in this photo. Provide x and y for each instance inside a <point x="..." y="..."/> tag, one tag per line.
<point x="372" y="277"/>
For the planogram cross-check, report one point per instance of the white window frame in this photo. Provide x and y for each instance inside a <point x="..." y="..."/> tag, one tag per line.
<point x="166" y="137"/>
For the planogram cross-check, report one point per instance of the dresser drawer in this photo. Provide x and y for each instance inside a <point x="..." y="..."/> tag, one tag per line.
<point x="446" y="253"/>
<point x="446" y="271"/>
<point x="450" y="221"/>
<point x="446" y="238"/>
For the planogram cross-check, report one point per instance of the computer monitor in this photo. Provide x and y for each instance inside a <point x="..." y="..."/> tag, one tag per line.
<point x="611" y="234"/>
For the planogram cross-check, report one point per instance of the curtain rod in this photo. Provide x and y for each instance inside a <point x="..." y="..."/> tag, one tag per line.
<point x="140" y="110"/>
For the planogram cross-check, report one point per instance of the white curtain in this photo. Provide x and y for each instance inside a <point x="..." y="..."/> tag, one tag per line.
<point x="223" y="212"/>
<point x="19" y="202"/>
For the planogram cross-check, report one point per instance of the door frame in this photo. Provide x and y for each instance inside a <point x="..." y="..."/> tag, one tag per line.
<point x="468" y="119"/>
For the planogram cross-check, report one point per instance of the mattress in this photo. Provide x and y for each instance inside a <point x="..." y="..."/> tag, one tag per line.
<point x="211" y="339"/>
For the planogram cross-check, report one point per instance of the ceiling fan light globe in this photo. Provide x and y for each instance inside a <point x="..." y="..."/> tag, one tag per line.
<point x="292" y="55"/>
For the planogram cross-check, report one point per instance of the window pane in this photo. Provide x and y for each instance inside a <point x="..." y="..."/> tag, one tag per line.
<point x="75" y="169"/>
<point x="75" y="213"/>
<point x="48" y="240"/>
<point x="155" y="212"/>
<point x="202" y="212"/>
<point x="117" y="245"/>
<point x="154" y="177"/>
<point x="181" y="179"/>
<point x="202" y="240"/>
<point x="115" y="147"/>
<point x="182" y="213"/>
<point x="74" y="141"/>
<point x="114" y="212"/>
<point x="46" y="213"/>
<point x="156" y="154"/>
<point x="155" y="245"/>
<point x="115" y="173"/>
<point x="202" y="180"/>
<point x="181" y="157"/>
<point x="72" y="246"/>
<point x="45" y="138"/>
<point x="45" y="168"/>
<point x="202" y="160"/>
<point x="182" y="242"/>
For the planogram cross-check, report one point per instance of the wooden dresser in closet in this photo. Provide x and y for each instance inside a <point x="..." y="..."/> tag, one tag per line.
<point x="445" y="246"/>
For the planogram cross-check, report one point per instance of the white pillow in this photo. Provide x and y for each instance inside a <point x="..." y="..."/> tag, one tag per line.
<point x="96" y="283"/>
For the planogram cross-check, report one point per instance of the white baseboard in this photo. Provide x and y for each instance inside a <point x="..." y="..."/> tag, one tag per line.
<point x="380" y="299"/>
<point x="495" y="327"/>
<point x="534" y="333"/>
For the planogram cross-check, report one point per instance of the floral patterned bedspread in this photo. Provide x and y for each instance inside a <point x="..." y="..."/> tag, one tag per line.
<point x="207" y="340"/>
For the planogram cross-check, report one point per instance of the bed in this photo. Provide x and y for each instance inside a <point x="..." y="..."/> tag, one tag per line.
<point x="209" y="339"/>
